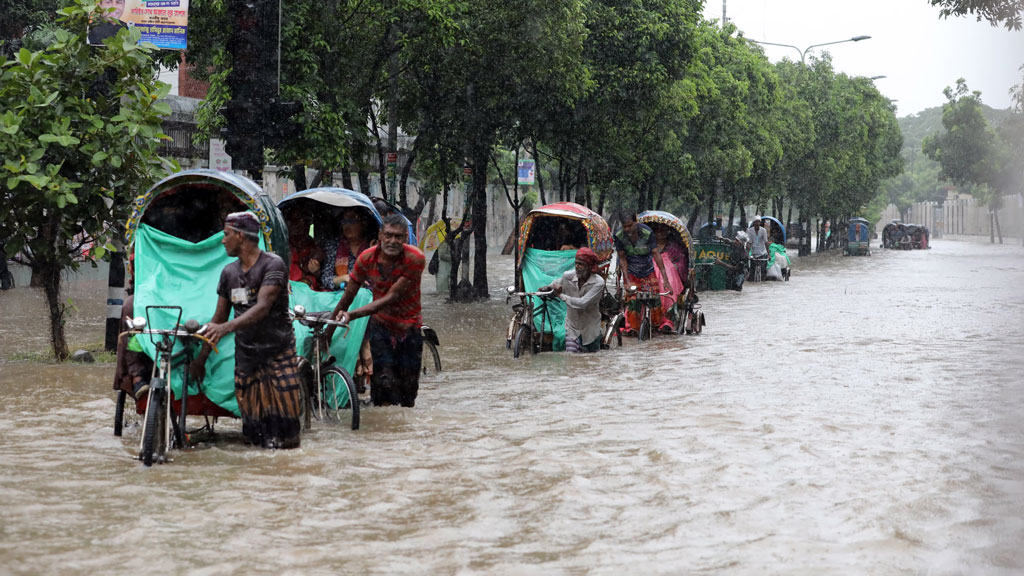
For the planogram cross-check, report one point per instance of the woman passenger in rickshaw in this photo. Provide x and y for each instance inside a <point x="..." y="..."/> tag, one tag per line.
<point x="358" y="232"/>
<point x="677" y="268"/>
<point x="306" y="255"/>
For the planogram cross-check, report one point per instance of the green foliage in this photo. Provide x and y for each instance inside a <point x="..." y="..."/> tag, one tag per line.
<point x="966" y="151"/>
<point x="81" y="127"/>
<point x="1006" y="12"/>
<point x="22" y="18"/>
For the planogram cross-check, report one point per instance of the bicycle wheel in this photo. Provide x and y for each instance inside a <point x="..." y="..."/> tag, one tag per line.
<point x="153" y="439"/>
<point x="611" y="330"/>
<point x="523" y="342"/>
<point x="306" y="394"/>
<point x="645" y="329"/>
<point x="339" y="392"/>
<point x="119" y="412"/>
<point x="431" y="363"/>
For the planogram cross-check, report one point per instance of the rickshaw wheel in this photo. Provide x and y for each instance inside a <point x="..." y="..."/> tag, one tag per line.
<point x="645" y="330"/>
<point x="431" y="363"/>
<point x="336" y="379"/>
<point x="613" y="329"/>
<point x="523" y="342"/>
<point x="698" y="322"/>
<point x="119" y="412"/>
<point x="155" y="424"/>
<point x="305" y="393"/>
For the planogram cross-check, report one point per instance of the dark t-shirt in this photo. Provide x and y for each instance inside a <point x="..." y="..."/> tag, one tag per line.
<point x="738" y="259"/>
<point x="274" y="333"/>
<point x="640" y="263"/>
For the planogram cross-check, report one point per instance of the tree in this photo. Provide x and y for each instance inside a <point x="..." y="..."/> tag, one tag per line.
<point x="80" y="126"/>
<point x="1007" y="12"/>
<point x="22" y="17"/>
<point x="967" y="151"/>
<point x="1011" y="134"/>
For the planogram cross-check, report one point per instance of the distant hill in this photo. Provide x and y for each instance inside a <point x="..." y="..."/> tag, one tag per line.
<point x="917" y="126"/>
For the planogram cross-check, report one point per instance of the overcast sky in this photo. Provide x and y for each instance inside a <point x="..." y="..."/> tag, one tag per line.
<point x="918" y="53"/>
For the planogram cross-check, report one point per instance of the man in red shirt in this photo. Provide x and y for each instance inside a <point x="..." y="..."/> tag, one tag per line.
<point x="393" y="270"/>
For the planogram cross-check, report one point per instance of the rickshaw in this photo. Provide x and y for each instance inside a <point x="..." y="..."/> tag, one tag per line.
<point x="173" y="238"/>
<point x="918" y="236"/>
<point x="858" y="241"/>
<point x="548" y="239"/>
<point x="681" y="306"/>
<point x="328" y="374"/>
<point x="892" y="234"/>
<point x="777" y="266"/>
<point x="708" y="276"/>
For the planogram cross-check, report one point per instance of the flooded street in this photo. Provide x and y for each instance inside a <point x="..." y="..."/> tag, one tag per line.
<point x="864" y="418"/>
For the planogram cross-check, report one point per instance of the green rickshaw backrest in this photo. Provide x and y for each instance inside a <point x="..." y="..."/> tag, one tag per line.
<point x="540" y="268"/>
<point x="175" y="272"/>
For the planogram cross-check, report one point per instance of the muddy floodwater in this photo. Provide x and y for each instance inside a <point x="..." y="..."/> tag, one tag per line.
<point x="865" y="418"/>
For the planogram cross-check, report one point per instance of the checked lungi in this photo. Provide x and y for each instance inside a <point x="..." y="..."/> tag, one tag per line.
<point x="269" y="401"/>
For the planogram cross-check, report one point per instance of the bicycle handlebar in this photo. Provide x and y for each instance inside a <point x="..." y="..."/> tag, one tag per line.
<point x="651" y="295"/>
<point x="542" y="294"/>
<point x="176" y="332"/>
<point x="314" y="319"/>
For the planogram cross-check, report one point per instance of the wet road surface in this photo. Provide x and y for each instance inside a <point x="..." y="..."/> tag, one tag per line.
<point x="864" y="418"/>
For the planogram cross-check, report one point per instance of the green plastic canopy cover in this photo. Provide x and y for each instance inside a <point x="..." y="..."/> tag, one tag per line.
<point x="170" y="271"/>
<point x="773" y="251"/>
<point x="344" y="346"/>
<point x="540" y="268"/>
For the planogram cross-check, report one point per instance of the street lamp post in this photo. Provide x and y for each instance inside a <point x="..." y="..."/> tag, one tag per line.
<point x="805" y="240"/>
<point x="803" y="53"/>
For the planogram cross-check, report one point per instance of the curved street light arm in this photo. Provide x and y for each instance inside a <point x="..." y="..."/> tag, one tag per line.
<point x="803" y="53"/>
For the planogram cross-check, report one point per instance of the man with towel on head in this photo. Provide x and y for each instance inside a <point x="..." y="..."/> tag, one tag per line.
<point x="266" y="367"/>
<point x="581" y="288"/>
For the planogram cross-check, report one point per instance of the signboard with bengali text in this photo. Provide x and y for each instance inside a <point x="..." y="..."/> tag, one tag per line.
<point x="164" y="23"/>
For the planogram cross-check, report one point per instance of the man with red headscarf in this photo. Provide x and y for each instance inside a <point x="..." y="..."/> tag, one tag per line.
<point x="581" y="289"/>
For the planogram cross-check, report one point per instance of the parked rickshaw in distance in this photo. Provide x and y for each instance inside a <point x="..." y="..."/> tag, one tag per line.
<point x="893" y="234"/>
<point x="548" y="239"/>
<point x="858" y="237"/>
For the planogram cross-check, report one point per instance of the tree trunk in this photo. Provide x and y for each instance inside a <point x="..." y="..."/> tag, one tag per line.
<point x="540" y="177"/>
<point x="364" y="181"/>
<point x="299" y="176"/>
<point x="411" y="212"/>
<point x="480" y="223"/>
<point x="600" y="202"/>
<point x="711" y="205"/>
<point x="318" y="180"/>
<point x="991" y="229"/>
<point x="346" y="179"/>
<point x="50" y="275"/>
<point x="691" y="222"/>
<point x="999" y="231"/>
<point x="732" y="213"/>
<point x="432" y="211"/>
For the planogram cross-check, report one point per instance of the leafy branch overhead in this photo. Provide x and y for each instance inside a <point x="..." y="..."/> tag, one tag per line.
<point x="81" y="129"/>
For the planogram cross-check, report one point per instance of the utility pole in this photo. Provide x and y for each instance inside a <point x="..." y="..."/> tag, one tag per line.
<point x="255" y="120"/>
